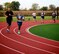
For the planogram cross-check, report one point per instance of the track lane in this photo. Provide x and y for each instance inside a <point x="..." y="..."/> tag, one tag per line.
<point x="7" y="50"/>
<point x="20" y="46"/>
<point x="38" y="44"/>
<point x="44" y="40"/>
<point x="21" y="39"/>
<point x="30" y="42"/>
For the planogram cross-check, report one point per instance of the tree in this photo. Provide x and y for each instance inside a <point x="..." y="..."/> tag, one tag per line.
<point x="15" y="5"/>
<point x="52" y="7"/>
<point x="44" y="8"/>
<point x="7" y="5"/>
<point x="35" y="6"/>
<point x="1" y="7"/>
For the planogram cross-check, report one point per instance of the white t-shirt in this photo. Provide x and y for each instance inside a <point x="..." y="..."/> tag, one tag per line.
<point x="53" y="14"/>
<point x="33" y="14"/>
<point x="42" y="13"/>
<point x="20" y="17"/>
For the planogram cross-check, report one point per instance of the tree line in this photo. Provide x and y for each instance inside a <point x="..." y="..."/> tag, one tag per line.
<point x="15" y="5"/>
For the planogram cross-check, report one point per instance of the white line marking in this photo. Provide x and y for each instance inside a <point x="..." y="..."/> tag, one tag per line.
<point x="27" y="30"/>
<point x="35" y="40"/>
<point x="11" y="48"/>
<point x="24" y="44"/>
<point x="30" y="39"/>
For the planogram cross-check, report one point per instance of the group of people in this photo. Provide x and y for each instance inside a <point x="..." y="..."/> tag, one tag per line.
<point x="9" y="15"/>
<point x="21" y="18"/>
<point x="43" y="16"/>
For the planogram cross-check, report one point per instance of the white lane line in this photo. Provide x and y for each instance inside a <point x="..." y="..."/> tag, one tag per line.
<point x="11" y="48"/>
<point x="23" y="43"/>
<point x="27" y="30"/>
<point x="35" y="40"/>
<point x="28" y="39"/>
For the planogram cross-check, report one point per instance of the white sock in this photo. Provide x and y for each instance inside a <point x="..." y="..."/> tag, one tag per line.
<point x="8" y="30"/>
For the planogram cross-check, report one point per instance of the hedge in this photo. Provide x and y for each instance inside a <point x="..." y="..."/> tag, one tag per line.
<point x="28" y="13"/>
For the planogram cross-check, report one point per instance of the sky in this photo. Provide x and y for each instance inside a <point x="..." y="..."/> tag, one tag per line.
<point x="28" y="3"/>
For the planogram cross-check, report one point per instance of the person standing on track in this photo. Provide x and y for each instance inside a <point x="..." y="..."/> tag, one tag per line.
<point x="9" y="15"/>
<point x="54" y="16"/>
<point x="20" y="19"/>
<point x="42" y="16"/>
<point x="34" y="16"/>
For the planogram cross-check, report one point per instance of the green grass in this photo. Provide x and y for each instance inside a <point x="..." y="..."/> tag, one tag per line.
<point x="50" y="31"/>
<point x="3" y="19"/>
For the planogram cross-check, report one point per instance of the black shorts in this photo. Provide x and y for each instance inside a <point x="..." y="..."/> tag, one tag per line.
<point x="42" y="17"/>
<point x="34" y="17"/>
<point x="53" y="17"/>
<point x="9" y="21"/>
<point x="19" y="23"/>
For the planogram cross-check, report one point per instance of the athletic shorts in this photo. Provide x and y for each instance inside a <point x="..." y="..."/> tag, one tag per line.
<point x="42" y="17"/>
<point x="19" y="23"/>
<point x="34" y="17"/>
<point x="53" y="17"/>
<point x="9" y="21"/>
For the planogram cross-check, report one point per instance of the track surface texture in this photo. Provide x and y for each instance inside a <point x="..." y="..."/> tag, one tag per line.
<point x="26" y="43"/>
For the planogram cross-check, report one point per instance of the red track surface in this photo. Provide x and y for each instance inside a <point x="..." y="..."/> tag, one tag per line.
<point x="26" y="43"/>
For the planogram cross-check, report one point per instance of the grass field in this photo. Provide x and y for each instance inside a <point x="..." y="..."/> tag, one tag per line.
<point x="50" y="31"/>
<point x="3" y="19"/>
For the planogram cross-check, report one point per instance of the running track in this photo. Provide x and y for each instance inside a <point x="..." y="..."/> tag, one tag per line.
<point x="26" y="43"/>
